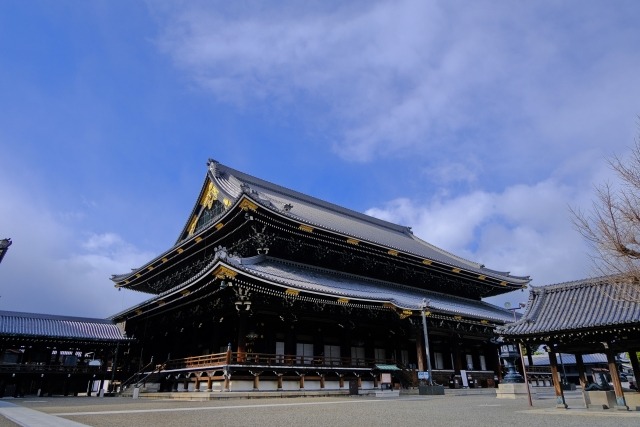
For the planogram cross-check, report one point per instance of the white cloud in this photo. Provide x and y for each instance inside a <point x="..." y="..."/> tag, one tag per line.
<point x="524" y="229"/>
<point x="493" y="80"/>
<point x="53" y="266"/>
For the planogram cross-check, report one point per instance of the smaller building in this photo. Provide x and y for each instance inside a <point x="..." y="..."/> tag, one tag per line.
<point x="50" y="354"/>
<point x="598" y="315"/>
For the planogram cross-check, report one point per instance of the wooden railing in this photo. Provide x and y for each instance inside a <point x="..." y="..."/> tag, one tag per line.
<point x="264" y="359"/>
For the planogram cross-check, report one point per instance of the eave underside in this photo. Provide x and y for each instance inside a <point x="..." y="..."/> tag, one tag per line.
<point x="247" y="233"/>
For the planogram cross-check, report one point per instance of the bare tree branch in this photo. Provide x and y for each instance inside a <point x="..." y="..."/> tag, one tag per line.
<point x="612" y="226"/>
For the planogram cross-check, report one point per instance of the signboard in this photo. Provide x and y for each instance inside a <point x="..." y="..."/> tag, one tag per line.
<point x="423" y="375"/>
<point x="385" y="378"/>
<point x="465" y="380"/>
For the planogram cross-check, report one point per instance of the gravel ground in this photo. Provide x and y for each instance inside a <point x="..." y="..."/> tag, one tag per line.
<point x="450" y="410"/>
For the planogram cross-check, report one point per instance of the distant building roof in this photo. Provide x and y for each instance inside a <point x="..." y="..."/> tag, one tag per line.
<point x="568" y="359"/>
<point x="33" y="325"/>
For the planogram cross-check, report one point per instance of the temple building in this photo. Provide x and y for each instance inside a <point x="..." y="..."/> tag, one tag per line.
<point x="267" y="288"/>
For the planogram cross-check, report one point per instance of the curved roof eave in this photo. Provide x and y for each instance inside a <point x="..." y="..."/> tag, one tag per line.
<point x="229" y="211"/>
<point x="438" y="302"/>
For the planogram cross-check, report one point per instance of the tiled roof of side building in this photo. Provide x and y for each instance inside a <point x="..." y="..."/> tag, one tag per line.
<point x="313" y="211"/>
<point x="576" y="305"/>
<point x="52" y="326"/>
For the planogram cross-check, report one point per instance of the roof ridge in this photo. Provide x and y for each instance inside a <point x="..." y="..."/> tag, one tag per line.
<point x="573" y="284"/>
<point x="285" y="191"/>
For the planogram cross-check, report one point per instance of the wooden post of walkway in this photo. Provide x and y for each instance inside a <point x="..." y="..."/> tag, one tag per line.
<point x="557" y="386"/>
<point x="582" y="376"/>
<point x="633" y="357"/>
<point x="615" y="378"/>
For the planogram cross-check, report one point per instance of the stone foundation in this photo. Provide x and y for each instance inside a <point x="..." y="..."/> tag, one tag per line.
<point x="513" y="391"/>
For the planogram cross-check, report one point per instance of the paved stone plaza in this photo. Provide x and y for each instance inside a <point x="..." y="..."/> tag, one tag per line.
<point x="449" y="410"/>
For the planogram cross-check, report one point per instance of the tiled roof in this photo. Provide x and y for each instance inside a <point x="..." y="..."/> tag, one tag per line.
<point x="579" y="305"/>
<point x="61" y="327"/>
<point x="316" y="212"/>
<point x="336" y="284"/>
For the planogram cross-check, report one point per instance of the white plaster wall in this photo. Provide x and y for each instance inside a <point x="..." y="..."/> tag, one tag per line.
<point x="332" y="385"/>
<point x="268" y="385"/>
<point x="241" y="385"/>
<point x="312" y="385"/>
<point x="367" y="385"/>
<point x="290" y="385"/>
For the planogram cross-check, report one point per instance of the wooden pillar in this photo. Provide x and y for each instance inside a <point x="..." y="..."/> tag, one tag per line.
<point x="209" y="383"/>
<point x="227" y="380"/>
<point x="322" y="381"/>
<point x="279" y="382"/>
<point x="615" y="378"/>
<point x="197" y="385"/>
<point x="633" y="357"/>
<point x="420" y="353"/>
<point x="185" y="385"/>
<point x="499" y="365"/>
<point x="341" y="381"/>
<point x="302" y="382"/>
<point x="557" y="384"/>
<point x="582" y="376"/>
<point x="457" y="356"/>
<point x="256" y="382"/>
<point x="227" y="359"/>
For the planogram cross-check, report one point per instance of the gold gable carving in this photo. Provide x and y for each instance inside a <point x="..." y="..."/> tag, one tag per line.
<point x="223" y="272"/>
<point x="247" y="205"/>
<point x="209" y="196"/>
<point x="192" y="225"/>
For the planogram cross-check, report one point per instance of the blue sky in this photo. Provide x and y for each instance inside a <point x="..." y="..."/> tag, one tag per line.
<point x="476" y="123"/>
